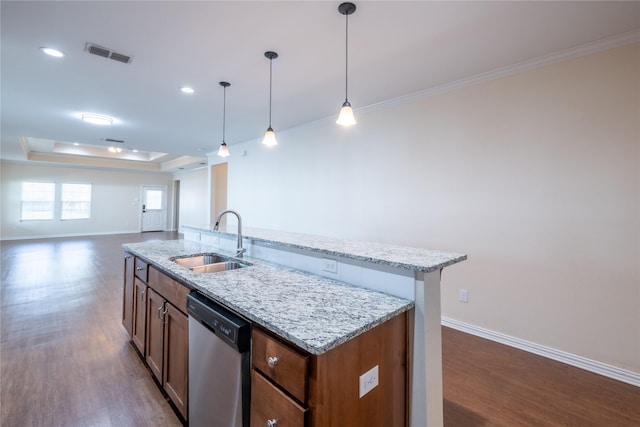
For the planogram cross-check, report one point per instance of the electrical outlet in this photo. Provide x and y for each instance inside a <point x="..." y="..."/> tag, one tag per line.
<point x="330" y="265"/>
<point x="368" y="380"/>
<point x="463" y="295"/>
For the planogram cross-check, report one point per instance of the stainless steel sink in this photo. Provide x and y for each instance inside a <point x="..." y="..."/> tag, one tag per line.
<point x="218" y="266"/>
<point x="209" y="263"/>
<point x="202" y="259"/>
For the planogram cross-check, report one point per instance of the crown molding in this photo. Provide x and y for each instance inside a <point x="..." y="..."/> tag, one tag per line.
<point x="553" y="58"/>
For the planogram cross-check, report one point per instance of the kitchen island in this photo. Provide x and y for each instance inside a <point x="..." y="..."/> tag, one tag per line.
<point x="315" y="313"/>
<point x="319" y="293"/>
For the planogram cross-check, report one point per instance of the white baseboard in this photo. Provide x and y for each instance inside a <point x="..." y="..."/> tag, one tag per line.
<point x="610" y="371"/>
<point x="58" y="236"/>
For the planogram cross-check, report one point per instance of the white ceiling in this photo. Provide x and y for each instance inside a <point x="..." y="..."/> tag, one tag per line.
<point x="395" y="49"/>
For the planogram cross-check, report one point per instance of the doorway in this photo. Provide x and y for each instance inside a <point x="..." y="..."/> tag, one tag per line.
<point x="176" y="205"/>
<point x="154" y="208"/>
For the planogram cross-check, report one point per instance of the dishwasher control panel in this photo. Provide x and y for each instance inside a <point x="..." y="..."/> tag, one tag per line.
<point x="227" y="325"/>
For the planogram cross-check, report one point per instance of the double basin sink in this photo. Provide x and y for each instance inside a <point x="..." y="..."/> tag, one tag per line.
<point x="209" y="263"/>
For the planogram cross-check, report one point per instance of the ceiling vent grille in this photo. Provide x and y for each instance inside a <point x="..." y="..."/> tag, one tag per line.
<point x="114" y="140"/>
<point x="106" y="53"/>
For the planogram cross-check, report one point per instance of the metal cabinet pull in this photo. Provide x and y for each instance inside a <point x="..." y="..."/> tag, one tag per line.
<point x="139" y="268"/>
<point x="272" y="361"/>
<point x="160" y="316"/>
<point x="142" y="294"/>
<point x="272" y="422"/>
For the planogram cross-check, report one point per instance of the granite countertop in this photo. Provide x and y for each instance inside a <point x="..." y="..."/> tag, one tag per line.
<point x="314" y="313"/>
<point x="409" y="258"/>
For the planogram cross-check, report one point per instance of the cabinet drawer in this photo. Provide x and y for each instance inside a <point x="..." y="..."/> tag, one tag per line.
<point x="142" y="269"/>
<point x="269" y="403"/>
<point x="281" y="363"/>
<point x="172" y="290"/>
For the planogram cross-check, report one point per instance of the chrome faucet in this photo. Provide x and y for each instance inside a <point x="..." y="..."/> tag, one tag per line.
<point x="240" y="249"/>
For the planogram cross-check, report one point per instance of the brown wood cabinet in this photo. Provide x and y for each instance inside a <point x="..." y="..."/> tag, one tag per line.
<point x="139" y="328"/>
<point x="176" y="358"/>
<point x="127" y="300"/>
<point x="167" y="337"/>
<point x="141" y="269"/>
<point x="155" y="333"/>
<point x="154" y="314"/>
<point x="139" y="315"/>
<point x="293" y="388"/>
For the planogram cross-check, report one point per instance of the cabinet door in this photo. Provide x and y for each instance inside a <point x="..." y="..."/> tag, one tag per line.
<point x="176" y="357"/>
<point x="139" y="314"/>
<point x="270" y="405"/>
<point x="155" y="332"/>
<point x="128" y="294"/>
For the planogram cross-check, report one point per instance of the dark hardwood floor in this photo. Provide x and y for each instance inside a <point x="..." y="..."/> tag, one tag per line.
<point x="490" y="384"/>
<point x="65" y="359"/>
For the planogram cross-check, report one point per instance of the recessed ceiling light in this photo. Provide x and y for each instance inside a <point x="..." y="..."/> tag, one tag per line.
<point x="134" y="150"/>
<point x="97" y="119"/>
<point x="115" y="149"/>
<point x="76" y="143"/>
<point x="52" y="52"/>
<point x="186" y="89"/>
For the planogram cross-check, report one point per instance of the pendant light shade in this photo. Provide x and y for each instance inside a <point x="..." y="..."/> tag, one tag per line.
<point x="223" y="151"/>
<point x="270" y="136"/>
<point x="345" y="118"/>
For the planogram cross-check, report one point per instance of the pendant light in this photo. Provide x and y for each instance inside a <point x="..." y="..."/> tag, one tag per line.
<point x="269" y="136"/>
<point x="223" y="151"/>
<point x="345" y="118"/>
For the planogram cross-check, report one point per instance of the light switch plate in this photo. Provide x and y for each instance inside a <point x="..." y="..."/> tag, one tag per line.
<point x="368" y="381"/>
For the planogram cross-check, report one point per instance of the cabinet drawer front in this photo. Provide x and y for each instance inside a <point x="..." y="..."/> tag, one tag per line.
<point x="142" y="269"/>
<point x="281" y="363"/>
<point x="172" y="290"/>
<point x="268" y="403"/>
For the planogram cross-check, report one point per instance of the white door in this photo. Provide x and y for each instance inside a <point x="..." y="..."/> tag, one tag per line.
<point x="154" y="208"/>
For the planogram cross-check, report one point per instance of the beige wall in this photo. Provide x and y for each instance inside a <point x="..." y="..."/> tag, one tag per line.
<point x="115" y="200"/>
<point x="535" y="176"/>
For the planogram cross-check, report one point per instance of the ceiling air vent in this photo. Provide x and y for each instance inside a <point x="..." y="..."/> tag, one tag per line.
<point x="114" y="140"/>
<point x="107" y="53"/>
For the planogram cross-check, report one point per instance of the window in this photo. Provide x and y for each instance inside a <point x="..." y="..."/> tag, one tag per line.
<point x="37" y="200"/>
<point x="76" y="201"/>
<point x="47" y="201"/>
<point x="154" y="199"/>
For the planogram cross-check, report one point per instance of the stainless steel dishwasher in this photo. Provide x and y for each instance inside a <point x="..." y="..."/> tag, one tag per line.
<point x="219" y="365"/>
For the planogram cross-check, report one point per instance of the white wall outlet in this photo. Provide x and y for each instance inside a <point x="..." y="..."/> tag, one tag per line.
<point x="330" y="265"/>
<point x="368" y="381"/>
<point x="463" y="295"/>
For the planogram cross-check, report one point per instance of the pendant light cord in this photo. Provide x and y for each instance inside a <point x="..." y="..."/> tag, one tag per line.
<point x="224" y="110"/>
<point x="346" y="58"/>
<point x="270" y="83"/>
